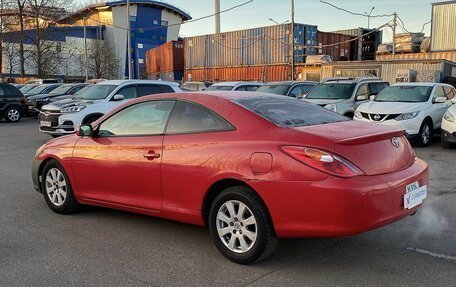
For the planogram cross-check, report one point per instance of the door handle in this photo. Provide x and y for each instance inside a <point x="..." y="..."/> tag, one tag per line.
<point x="151" y="155"/>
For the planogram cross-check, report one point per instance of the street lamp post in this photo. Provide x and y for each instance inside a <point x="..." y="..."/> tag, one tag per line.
<point x="368" y="17"/>
<point x="284" y="22"/>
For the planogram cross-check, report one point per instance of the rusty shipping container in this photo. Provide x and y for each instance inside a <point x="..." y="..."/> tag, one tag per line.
<point x="339" y="52"/>
<point x="450" y="56"/>
<point x="252" y="73"/>
<point x="443" y="26"/>
<point x="251" y="47"/>
<point x="366" y="43"/>
<point x="168" y="57"/>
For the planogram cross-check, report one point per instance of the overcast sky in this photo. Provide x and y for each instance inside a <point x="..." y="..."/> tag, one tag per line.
<point x="414" y="13"/>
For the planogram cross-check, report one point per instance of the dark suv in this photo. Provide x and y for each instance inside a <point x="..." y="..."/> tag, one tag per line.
<point x="12" y="103"/>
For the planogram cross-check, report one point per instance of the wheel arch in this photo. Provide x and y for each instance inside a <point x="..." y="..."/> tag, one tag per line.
<point x="217" y="187"/>
<point x="42" y="165"/>
<point x="428" y="119"/>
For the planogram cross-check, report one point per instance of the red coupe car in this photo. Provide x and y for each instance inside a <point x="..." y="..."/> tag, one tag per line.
<point x="252" y="167"/>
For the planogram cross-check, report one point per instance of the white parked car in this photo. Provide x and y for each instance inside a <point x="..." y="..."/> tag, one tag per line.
<point x="65" y="116"/>
<point x="235" y="86"/>
<point x="417" y="108"/>
<point x="449" y="127"/>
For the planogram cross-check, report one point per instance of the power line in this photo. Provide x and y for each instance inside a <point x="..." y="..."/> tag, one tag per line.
<point x="355" y="13"/>
<point x="402" y="25"/>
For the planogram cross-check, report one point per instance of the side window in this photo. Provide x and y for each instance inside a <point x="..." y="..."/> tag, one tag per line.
<point x="144" y="90"/>
<point x="128" y="92"/>
<point x="439" y="92"/>
<point x="449" y="92"/>
<point x="141" y="119"/>
<point x="166" y="89"/>
<point x="363" y="93"/>
<point x="251" y="88"/>
<point x="193" y="118"/>
<point x="374" y="89"/>
<point x="2" y="91"/>
<point x="296" y="92"/>
<point x="75" y="89"/>
<point x="306" y="89"/>
<point x="241" y="88"/>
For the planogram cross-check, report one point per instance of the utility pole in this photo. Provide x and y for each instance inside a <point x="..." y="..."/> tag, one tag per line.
<point x="128" y="40"/>
<point x="292" y="41"/>
<point x="217" y="16"/>
<point x="394" y="34"/>
<point x="369" y="16"/>
<point x="86" y="66"/>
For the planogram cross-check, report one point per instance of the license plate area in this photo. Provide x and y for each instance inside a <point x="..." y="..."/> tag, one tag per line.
<point x="414" y="195"/>
<point x="45" y="124"/>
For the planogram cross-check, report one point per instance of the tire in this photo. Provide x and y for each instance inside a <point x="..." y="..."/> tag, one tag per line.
<point x="241" y="228"/>
<point x="425" y="134"/>
<point x="13" y="114"/>
<point x="445" y="143"/>
<point x="57" y="190"/>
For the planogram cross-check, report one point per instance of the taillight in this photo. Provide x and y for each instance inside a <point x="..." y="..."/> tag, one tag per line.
<point x="323" y="161"/>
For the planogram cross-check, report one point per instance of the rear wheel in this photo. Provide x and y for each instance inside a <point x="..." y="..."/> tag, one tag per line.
<point x="240" y="226"/>
<point x="425" y="134"/>
<point x="13" y="114"/>
<point x="57" y="190"/>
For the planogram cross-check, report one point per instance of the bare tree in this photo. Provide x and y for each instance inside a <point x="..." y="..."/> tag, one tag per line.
<point x="10" y="53"/>
<point x="102" y="60"/>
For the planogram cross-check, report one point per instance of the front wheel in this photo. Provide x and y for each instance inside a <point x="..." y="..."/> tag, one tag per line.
<point x="57" y="190"/>
<point x="240" y="226"/>
<point x="425" y="134"/>
<point x="13" y="114"/>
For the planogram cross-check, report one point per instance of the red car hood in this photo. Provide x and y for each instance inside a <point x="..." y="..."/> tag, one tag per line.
<point x="368" y="146"/>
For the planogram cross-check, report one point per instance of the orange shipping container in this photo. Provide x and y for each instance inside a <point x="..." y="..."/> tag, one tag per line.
<point x="165" y="58"/>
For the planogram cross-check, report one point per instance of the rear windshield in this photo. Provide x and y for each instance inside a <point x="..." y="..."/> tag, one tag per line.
<point x="405" y="94"/>
<point x="289" y="112"/>
<point x="273" y="89"/>
<point x="336" y="91"/>
<point x="220" y="88"/>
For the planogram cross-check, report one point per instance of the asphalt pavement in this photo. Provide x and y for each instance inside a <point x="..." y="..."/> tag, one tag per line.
<point x="102" y="247"/>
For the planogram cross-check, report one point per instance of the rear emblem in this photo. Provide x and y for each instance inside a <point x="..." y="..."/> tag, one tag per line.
<point x="395" y="141"/>
<point x="377" y="117"/>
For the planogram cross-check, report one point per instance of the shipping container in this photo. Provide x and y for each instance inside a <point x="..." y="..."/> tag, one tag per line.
<point x="368" y="40"/>
<point x="426" y="70"/>
<point x="339" y="52"/>
<point x="253" y="73"/>
<point x="168" y="57"/>
<point x="173" y="76"/>
<point x="443" y="25"/>
<point x="259" y="46"/>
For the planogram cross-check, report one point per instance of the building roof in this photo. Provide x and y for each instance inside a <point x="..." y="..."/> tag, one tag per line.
<point x="163" y="5"/>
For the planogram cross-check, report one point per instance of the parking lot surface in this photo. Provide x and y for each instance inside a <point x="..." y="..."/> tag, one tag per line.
<point x="112" y="248"/>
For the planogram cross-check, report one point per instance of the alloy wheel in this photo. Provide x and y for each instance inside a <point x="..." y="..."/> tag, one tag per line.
<point x="56" y="186"/>
<point x="236" y="226"/>
<point x="13" y="115"/>
<point x="426" y="134"/>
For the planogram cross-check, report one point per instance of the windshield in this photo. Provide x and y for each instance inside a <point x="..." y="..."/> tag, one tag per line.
<point x="37" y="90"/>
<point x="289" y="112"/>
<point x="61" y="90"/>
<point x="95" y="92"/>
<point x="273" y="89"/>
<point x="26" y="88"/>
<point x="333" y="91"/>
<point x="406" y="94"/>
<point x="220" y="88"/>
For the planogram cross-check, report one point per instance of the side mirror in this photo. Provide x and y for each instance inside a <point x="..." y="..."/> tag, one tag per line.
<point x="361" y="98"/>
<point x="440" y="100"/>
<point x="84" y="131"/>
<point x="118" y="98"/>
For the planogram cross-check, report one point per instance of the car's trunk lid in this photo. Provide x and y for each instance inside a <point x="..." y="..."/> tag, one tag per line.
<point x="370" y="147"/>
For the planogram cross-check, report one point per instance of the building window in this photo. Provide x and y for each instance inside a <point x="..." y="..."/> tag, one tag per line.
<point x="164" y="23"/>
<point x="155" y="22"/>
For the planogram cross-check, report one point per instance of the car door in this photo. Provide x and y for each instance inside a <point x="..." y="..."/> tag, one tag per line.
<point x="194" y="137"/>
<point x="128" y="92"/>
<point x="120" y="164"/>
<point x="438" y="109"/>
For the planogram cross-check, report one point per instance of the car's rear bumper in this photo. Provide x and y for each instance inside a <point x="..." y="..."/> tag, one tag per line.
<point x="337" y="206"/>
